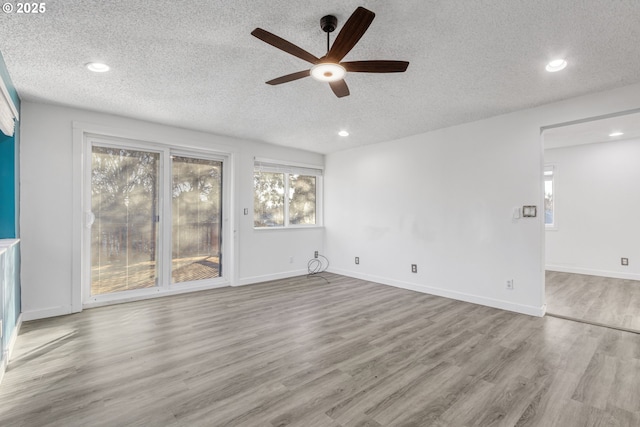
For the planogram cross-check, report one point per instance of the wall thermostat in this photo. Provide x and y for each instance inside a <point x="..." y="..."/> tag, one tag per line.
<point x="529" y="211"/>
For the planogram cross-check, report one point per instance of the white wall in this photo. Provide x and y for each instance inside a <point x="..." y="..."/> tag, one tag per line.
<point x="444" y="201"/>
<point x="446" y="205"/>
<point x="597" y="209"/>
<point x="46" y="180"/>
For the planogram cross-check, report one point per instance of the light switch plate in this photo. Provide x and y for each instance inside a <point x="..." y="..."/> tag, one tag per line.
<point x="516" y="213"/>
<point x="529" y="211"/>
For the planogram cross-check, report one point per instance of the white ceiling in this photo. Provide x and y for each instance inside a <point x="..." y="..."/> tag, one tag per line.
<point x="194" y="64"/>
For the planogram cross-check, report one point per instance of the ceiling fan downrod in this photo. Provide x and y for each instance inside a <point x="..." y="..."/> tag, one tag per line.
<point x="328" y="24"/>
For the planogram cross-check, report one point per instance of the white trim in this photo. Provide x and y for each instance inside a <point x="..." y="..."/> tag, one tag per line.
<point x="592" y="272"/>
<point x="289" y="228"/>
<point x="146" y="136"/>
<point x="7" y="243"/>
<point x="6" y="357"/>
<point x="269" y="277"/>
<point x="228" y="246"/>
<point x="287" y="163"/>
<point x="14" y="338"/>
<point x="46" y="312"/>
<point x="150" y="141"/>
<point x="9" y="100"/>
<point x="157" y="293"/>
<point x="13" y="110"/>
<point x="78" y="221"/>
<point x="542" y="234"/>
<point x="460" y="296"/>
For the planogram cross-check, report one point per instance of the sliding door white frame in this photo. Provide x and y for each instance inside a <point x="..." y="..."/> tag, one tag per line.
<point x="84" y="135"/>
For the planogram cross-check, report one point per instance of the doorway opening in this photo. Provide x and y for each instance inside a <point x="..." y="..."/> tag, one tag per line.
<point x="592" y="259"/>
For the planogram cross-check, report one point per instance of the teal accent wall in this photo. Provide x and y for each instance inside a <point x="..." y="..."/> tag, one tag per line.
<point x="9" y="164"/>
<point x="7" y="187"/>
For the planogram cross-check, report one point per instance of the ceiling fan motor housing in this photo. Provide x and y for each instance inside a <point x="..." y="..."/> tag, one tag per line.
<point x="328" y="23"/>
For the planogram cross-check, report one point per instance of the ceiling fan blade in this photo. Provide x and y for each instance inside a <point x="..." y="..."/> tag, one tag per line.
<point x="290" y="77"/>
<point x="375" y="66"/>
<point x="284" y="45"/>
<point x="340" y="88"/>
<point x="351" y="32"/>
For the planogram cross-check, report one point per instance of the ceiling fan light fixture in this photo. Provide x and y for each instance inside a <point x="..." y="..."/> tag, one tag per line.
<point x="328" y="72"/>
<point x="97" y="67"/>
<point x="556" y="65"/>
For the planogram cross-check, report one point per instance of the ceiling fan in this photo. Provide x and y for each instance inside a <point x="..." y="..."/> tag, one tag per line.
<point x="329" y="68"/>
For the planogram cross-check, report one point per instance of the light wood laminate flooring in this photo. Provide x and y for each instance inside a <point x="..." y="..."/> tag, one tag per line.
<point x="303" y="352"/>
<point x="593" y="299"/>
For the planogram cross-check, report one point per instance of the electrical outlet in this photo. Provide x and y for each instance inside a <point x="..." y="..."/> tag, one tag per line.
<point x="246" y="211"/>
<point x="291" y="260"/>
<point x="414" y="268"/>
<point x="315" y="254"/>
<point x="357" y="260"/>
<point x="510" y="284"/>
<point x="624" y="261"/>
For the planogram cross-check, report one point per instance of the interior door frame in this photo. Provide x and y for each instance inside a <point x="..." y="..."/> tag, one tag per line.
<point x="542" y="168"/>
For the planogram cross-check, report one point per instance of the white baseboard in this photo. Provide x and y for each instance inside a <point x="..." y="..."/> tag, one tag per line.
<point x="6" y="357"/>
<point x="460" y="296"/>
<point x="592" y="272"/>
<point x="64" y="310"/>
<point x="269" y="277"/>
<point x="111" y="299"/>
<point x="14" y="337"/>
<point x="46" y="312"/>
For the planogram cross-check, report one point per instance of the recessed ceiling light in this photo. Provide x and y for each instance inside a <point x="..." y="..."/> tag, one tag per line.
<point x="343" y="133"/>
<point x="556" y="65"/>
<point x="616" y="133"/>
<point x="328" y="72"/>
<point x="97" y="67"/>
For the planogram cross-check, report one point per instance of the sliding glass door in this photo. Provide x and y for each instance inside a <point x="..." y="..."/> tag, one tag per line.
<point x="196" y="219"/>
<point x="155" y="221"/>
<point x="124" y="235"/>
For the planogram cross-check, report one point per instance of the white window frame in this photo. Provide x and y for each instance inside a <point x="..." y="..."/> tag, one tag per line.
<point x="292" y="168"/>
<point x="552" y="171"/>
<point x="84" y="136"/>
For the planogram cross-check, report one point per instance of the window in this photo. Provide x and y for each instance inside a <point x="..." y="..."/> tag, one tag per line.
<point x="549" y="202"/>
<point x="286" y="195"/>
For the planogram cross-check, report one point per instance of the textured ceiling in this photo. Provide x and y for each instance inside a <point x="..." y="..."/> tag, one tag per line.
<point x="194" y="64"/>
